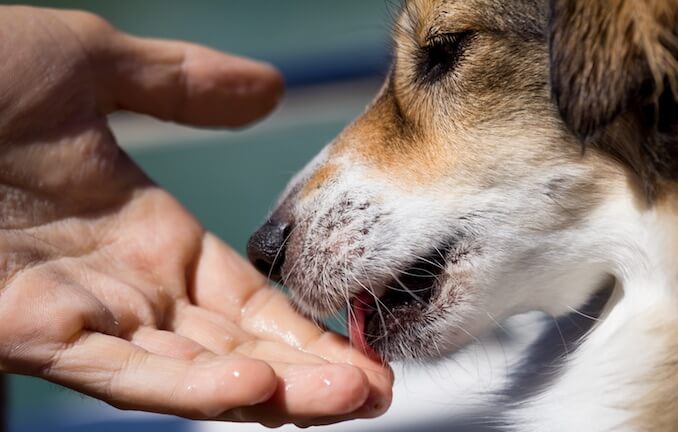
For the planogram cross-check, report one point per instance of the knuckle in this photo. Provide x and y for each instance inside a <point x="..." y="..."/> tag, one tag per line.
<point x="89" y="21"/>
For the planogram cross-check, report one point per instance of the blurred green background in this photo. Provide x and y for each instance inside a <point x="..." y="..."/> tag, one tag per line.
<point x="332" y="54"/>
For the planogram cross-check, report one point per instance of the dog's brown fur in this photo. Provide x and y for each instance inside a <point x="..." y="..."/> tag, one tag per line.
<point x="410" y="131"/>
<point x="614" y="65"/>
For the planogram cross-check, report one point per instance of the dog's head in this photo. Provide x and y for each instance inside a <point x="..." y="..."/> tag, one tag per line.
<point x="460" y="196"/>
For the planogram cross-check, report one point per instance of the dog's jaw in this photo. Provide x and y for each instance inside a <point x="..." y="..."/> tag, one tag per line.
<point x="349" y="239"/>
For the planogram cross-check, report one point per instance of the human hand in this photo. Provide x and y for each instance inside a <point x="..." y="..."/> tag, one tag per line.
<point x="109" y="286"/>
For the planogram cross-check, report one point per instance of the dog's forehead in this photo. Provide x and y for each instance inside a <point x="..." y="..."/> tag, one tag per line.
<point x="432" y="134"/>
<point x="424" y="18"/>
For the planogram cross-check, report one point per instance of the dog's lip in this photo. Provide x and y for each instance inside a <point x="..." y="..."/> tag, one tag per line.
<point x="415" y="286"/>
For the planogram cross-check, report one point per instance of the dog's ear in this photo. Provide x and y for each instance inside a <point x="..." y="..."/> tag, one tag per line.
<point x="608" y="54"/>
<point x="613" y="58"/>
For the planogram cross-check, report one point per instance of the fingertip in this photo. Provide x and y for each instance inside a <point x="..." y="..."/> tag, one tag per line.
<point x="254" y="377"/>
<point x="275" y="81"/>
<point x="188" y="83"/>
<point x="377" y="404"/>
<point x="320" y="391"/>
<point x="374" y="406"/>
<point x="380" y="395"/>
<point x="260" y="92"/>
<point x="349" y="387"/>
<point x="310" y="396"/>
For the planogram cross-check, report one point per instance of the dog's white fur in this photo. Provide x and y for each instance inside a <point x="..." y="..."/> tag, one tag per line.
<point x="607" y="376"/>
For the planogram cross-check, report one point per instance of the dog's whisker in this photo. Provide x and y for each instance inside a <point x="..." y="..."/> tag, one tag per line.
<point x="278" y="252"/>
<point x="409" y="291"/>
<point x="578" y="312"/>
<point x="378" y="302"/>
<point x="566" y="351"/>
<point x="426" y="260"/>
<point x="429" y="275"/>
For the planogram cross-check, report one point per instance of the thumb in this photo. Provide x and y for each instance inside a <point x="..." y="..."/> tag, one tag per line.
<point x="175" y="81"/>
<point x="189" y="83"/>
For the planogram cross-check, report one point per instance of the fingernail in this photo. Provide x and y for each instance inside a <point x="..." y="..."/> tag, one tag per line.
<point x="374" y="406"/>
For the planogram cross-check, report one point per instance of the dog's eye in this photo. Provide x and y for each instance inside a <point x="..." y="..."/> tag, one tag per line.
<point x="441" y="54"/>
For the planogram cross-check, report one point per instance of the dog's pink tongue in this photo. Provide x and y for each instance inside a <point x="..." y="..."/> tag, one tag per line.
<point x="356" y="324"/>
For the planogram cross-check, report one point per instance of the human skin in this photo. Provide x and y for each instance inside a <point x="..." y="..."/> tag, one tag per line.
<point x="107" y="284"/>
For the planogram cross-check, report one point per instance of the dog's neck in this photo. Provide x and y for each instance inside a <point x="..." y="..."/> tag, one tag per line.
<point x="626" y="369"/>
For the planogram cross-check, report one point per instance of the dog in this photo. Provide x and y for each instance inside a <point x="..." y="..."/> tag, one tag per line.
<point x="521" y="155"/>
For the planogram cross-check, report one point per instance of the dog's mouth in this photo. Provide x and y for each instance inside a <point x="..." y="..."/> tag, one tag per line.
<point x="374" y="319"/>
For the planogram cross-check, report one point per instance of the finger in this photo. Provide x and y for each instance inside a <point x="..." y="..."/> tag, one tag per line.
<point x="128" y="305"/>
<point x="335" y="348"/>
<point x="208" y="329"/>
<point x="189" y="83"/>
<point x="306" y="392"/>
<point x="301" y="374"/>
<point x="172" y="80"/>
<point x="222" y="337"/>
<point x="169" y="344"/>
<point x="363" y="412"/>
<point x="269" y="315"/>
<point x="371" y="408"/>
<point x="304" y="378"/>
<point x="223" y="281"/>
<point x="33" y="298"/>
<point x="266" y="315"/>
<point x="128" y="377"/>
<point x="276" y="352"/>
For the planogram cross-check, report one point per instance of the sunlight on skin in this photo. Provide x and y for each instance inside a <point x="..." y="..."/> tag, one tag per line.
<point x="107" y="284"/>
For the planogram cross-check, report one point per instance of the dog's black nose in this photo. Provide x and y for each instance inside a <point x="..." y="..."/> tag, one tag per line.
<point x="266" y="247"/>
